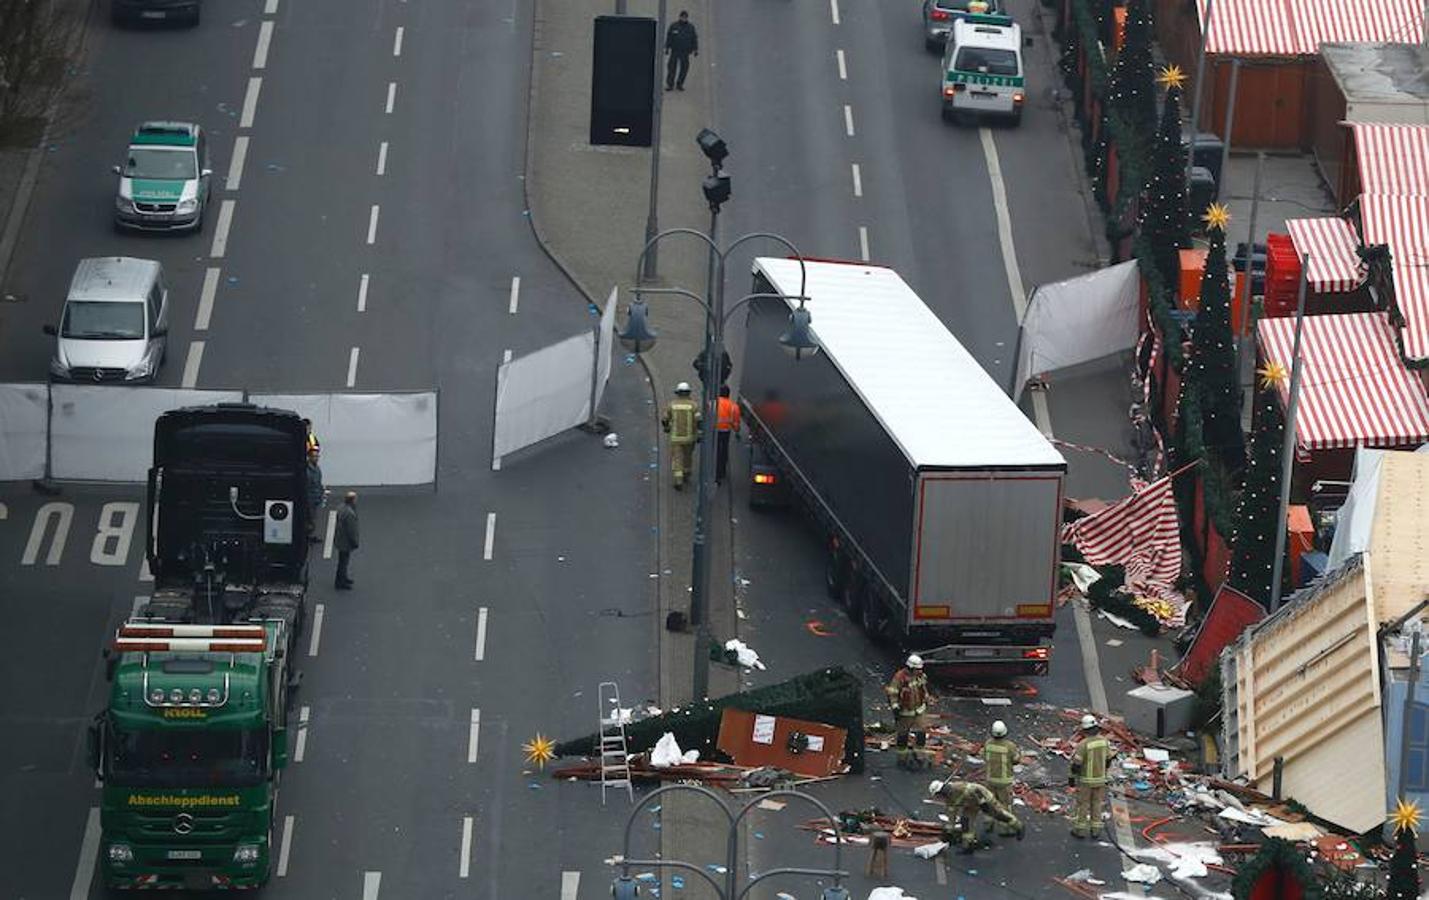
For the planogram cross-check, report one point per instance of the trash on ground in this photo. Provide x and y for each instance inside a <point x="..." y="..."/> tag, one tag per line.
<point x="1142" y="873"/>
<point x="928" y="851"/>
<point x="889" y="893"/>
<point x="740" y="652"/>
<point x="666" y="753"/>
<point x="610" y="441"/>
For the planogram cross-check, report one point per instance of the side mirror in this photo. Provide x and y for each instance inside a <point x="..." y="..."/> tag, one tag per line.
<point x="96" y="746"/>
<point x="50" y="330"/>
<point x="280" y="748"/>
<point x="116" y="170"/>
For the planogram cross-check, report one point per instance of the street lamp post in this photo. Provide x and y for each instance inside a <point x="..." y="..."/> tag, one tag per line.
<point x="637" y="337"/>
<point x="626" y="888"/>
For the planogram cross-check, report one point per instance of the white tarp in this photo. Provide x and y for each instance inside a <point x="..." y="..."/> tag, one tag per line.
<point x="541" y="394"/>
<point x="1355" y="518"/>
<point x="22" y="431"/>
<point x="106" y="432"/>
<point x="369" y="439"/>
<point x="1078" y="320"/>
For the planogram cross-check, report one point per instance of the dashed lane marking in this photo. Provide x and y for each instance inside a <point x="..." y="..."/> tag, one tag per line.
<point x="144" y="573"/>
<point x="331" y="530"/>
<point x="205" y="298"/>
<point x="220" y="231"/>
<point x="570" y="885"/>
<point x="863" y="242"/>
<point x="372" y="224"/>
<point x="235" y="162"/>
<point x="474" y="739"/>
<point x="848" y="120"/>
<point x="515" y="294"/>
<point x="391" y="96"/>
<point x="481" y="634"/>
<point x="250" y="102"/>
<point x="397" y="41"/>
<point x="88" y="854"/>
<point x="834" y="10"/>
<point x="371" y="884"/>
<point x="285" y="847"/>
<point x="265" y="37"/>
<point x="271" y="8"/>
<point x="843" y="67"/>
<point x="317" y="635"/>
<point x="195" y="359"/>
<point x="301" y="747"/>
<point x="382" y="158"/>
<point x="857" y="181"/>
<point x="362" y="293"/>
<point x="464" y="868"/>
<point x="352" y="366"/>
<point x="490" y="535"/>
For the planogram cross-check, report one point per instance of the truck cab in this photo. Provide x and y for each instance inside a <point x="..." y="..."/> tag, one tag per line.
<point x="982" y="70"/>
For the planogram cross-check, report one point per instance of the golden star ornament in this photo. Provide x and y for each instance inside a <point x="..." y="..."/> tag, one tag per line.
<point x="539" y="750"/>
<point x="1273" y="374"/>
<point x="1406" y="817"/>
<point x="1171" y="77"/>
<point x="1217" y="216"/>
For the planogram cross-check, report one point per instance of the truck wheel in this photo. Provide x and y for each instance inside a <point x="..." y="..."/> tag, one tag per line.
<point x="872" y="617"/>
<point x="835" y="575"/>
<point x="851" y="595"/>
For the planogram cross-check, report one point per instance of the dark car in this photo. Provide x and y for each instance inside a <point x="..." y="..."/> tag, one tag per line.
<point x="136" y="11"/>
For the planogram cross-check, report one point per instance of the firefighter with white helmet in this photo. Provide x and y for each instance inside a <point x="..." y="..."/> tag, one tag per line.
<point x="908" y="697"/>
<point x="681" y="422"/>
<point x="1088" y="775"/>
<point x="965" y="800"/>
<point x="1000" y="756"/>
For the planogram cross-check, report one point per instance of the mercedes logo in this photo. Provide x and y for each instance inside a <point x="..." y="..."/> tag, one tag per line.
<point x="98" y="374"/>
<point x="183" y="823"/>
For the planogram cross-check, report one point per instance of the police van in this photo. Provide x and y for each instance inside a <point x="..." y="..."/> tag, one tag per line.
<point x="982" y="69"/>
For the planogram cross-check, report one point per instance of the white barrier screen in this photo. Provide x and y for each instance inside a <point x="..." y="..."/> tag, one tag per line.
<point x="369" y="439"/>
<point x="542" y="394"/>
<point x="22" y="431"/>
<point x="106" y="432"/>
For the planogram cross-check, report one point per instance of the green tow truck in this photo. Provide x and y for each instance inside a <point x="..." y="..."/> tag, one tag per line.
<point x="191" y="745"/>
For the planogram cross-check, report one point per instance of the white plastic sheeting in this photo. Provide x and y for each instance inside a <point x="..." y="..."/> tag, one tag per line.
<point x="22" y="431"/>
<point x="541" y="394"/>
<point x="369" y="439"/>
<point x="1078" y="320"/>
<point x="106" y="432"/>
<point x="1355" y="519"/>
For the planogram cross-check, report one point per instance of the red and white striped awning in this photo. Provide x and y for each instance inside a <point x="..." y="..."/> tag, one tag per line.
<point x="1330" y="244"/>
<point x="1298" y="27"/>
<point x="1354" y="389"/>
<point x="1402" y="222"/>
<point x="1393" y="159"/>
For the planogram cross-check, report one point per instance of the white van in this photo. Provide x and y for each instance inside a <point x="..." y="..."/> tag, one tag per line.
<point x="982" y="73"/>
<point x="115" y="322"/>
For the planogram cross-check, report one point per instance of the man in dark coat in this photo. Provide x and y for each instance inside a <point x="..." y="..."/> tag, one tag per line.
<point x="346" y="539"/>
<point x="316" y="493"/>
<point x="681" y="42"/>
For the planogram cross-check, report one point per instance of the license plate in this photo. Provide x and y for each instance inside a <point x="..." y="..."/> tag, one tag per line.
<point x="984" y="94"/>
<point x="979" y="652"/>
<point x="151" y="14"/>
<point x="185" y="854"/>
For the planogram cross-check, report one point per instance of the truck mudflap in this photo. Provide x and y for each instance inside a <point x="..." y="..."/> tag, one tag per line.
<point x="988" y="660"/>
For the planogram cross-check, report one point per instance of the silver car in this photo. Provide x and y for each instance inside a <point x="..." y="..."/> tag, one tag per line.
<point x="115" y="323"/>
<point x="938" y="16"/>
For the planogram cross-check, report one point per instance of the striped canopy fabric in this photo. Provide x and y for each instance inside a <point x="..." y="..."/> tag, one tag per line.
<point x="1329" y="245"/>
<point x="1298" y="27"/>
<point x="1140" y="533"/>
<point x="1393" y="159"/>
<point x="1355" y="390"/>
<point x="1393" y="164"/>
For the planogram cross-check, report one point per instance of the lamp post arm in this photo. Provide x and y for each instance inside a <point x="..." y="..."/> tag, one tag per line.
<point x="678" y="864"/>
<point x="645" y="801"/>
<point x="835" y="874"/>
<point x="800" y="795"/>
<point x="640" y="262"/>
<point x="729" y="313"/>
<point x="778" y="239"/>
<point x="678" y="292"/>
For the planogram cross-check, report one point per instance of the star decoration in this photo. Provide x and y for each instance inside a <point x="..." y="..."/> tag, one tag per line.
<point x="1406" y="817"/>
<point x="1217" y="216"/>
<point x="1273" y="374"/>
<point x="1171" y="77"/>
<point x="539" y="750"/>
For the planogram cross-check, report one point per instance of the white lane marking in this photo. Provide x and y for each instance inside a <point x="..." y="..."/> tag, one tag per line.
<point x="205" y="298"/>
<point x="843" y="69"/>
<point x="391" y="96"/>
<point x="382" y="158"/>
<point x="144" y="573"/>
<point x="848" y="120"/>
<point x="570" y="885"/>
<point x="371" y="884"/>
<point x="260" y="53"/>
<point x="331" y="530"/>
<point x="195" y="359"/>
<point x="397" y="41"/>
<point x="235" y="162"/>
<point x="271" y="8"/>
<point x="88" y="855"/>
<point x="857" y="181"/>
<point x="139" y="600"/>
<point x="250" y="102"/>
<point x="465" y="869"/>
<point x="317" y="630"/>
<point x="506" y="356"/>
<point x="1004" y="225"/>
<point x="863" y="242"/>
<point x="515" y="294"/>
<point x="285" y="848"/>
<point x="63" y="514"/>
<point x="362" y="293"/>
<point x="372" y="224"/>
<point x="352" y="366"/>
<point x="481" y="634"/>
<point x="301" y="747"/>
<point x="220" y="231"/>
<point x="490" y="535"/>
<point x="475" y="737"/>
<point x="834" y="10"/>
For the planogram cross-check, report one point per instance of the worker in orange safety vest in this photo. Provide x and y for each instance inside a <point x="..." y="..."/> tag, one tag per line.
<point x="726" y="424"/>
<point x="908" y="696"/>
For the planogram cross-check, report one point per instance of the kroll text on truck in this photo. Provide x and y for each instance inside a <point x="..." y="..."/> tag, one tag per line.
<point x="939" y="500"/>
<point x="194" y="735"/>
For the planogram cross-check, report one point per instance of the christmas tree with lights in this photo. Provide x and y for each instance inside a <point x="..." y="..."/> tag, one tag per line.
<point x="1133" y="91"/>
<point x="1164" y="219"/>
<point x="1211" y="366"/>
<point x="1404" y="864"/>
<point x="1253" y="540"/>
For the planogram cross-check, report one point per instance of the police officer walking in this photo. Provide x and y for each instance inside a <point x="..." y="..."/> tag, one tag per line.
<point x="681" y="42"/>
<point x="681" y="422"/>
<point x="1088" y="776"/>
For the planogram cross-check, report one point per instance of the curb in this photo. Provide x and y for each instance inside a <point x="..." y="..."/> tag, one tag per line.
<point x="20" y="205"/>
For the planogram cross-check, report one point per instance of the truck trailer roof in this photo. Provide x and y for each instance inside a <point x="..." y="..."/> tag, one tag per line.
<point x="934" y="399"/>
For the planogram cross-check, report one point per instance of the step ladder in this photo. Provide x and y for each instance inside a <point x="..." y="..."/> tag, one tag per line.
<point x="614" y="755"/>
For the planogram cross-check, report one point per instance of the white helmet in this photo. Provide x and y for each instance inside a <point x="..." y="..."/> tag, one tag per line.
<point x="915" y="661"/>
<point x="934" y="787"/>
<point x="1089" y="722"/>
<point x="682" y="388"/>
<point x="999" y="729"/>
